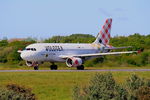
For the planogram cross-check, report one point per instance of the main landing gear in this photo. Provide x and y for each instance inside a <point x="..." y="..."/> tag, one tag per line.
<point x="36" y="67"/>
<point x="53" y="67"/>
<point x="81" y="67"/>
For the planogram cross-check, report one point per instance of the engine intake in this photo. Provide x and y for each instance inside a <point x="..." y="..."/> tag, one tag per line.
<point x="73" y="62"/>
<point x="29" y="63"/>
<point x="32" y="63"/>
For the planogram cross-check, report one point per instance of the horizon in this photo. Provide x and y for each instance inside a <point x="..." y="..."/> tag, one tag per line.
<point x="42" y="19"/>
<point x="41" y="39"/>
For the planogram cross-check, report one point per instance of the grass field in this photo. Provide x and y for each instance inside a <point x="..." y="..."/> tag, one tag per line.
<point x="57" y="85"/>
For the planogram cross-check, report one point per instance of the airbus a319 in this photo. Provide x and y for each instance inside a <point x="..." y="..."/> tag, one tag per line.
<point x="74" y="54"/>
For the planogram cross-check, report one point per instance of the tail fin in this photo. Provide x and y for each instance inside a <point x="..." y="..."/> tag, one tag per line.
<point x="104" y="35"/>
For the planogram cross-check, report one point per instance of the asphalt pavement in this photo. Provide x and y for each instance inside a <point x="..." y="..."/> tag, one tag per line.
<point x="88" y="70"/>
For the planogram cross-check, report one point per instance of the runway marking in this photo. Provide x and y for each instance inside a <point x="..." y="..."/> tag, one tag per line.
<point x="88" y="70"/>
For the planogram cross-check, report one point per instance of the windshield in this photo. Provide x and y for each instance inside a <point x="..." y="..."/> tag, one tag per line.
<point x="30" y="49"/>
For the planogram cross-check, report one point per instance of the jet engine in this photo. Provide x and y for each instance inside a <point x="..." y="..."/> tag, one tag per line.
<point x="74" y="62"/>
<point x="29" y="63"/>
<point x="32" y="64"/>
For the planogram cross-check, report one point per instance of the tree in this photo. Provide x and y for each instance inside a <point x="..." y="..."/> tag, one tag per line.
<point x="101" y="87"/>
<point x="3" y="43"/>
<point x="16" y="92"/>
<point x="104" y="87"/>
<point x="143" y="93"/>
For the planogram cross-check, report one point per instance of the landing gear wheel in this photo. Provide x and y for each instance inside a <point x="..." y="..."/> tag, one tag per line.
<point x="80" y="67"/>
<point x="53" y="67"/>
<point x="36" y="67"/>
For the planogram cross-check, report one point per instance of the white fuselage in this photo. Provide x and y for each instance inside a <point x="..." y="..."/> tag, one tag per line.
<point x="51" y="52"/>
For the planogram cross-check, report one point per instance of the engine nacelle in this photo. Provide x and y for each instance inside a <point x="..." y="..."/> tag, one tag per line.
<point x="32" y="64"/>
<point x="73" y="62"/>
<point x="29" y="63"/>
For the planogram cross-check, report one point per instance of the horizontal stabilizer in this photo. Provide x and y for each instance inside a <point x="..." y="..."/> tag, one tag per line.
<point x="114" y="48"/>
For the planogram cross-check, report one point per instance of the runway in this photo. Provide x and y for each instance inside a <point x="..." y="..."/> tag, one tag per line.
<point x="93" y="70"/>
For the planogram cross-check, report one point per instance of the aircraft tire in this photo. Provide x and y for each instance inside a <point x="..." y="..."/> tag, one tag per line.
<point x="80" y="67"/>
<point x="53" y="67"/>
<point x="36" y="67"/>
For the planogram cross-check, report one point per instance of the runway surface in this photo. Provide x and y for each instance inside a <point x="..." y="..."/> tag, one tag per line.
<point x="94" y="70"/>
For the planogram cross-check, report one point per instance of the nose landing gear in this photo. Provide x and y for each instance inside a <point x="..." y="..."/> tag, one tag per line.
<point x="36" y="66"/>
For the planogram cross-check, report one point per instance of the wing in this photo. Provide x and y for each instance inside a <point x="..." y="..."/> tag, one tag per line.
<point x="98" y="54"/>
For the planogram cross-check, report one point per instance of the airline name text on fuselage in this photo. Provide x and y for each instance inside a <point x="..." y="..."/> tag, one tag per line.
<point x="54" y="48"/>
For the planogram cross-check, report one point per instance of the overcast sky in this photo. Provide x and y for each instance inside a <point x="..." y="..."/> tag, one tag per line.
<point x="46" y="18"/>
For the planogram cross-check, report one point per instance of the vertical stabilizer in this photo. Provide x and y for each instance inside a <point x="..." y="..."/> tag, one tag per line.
<point x="104" y="35"/>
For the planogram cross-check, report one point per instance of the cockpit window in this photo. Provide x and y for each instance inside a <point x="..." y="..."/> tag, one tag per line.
<point x="27" y="48"/>
<point x="34" y="49"/>
<point x="31" y="49"/>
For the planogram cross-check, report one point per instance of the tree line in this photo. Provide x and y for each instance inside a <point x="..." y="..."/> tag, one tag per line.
<point x="9" y="54"/>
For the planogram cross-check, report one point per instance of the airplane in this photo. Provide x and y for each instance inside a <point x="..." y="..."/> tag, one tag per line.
<point x="74" y="54"/>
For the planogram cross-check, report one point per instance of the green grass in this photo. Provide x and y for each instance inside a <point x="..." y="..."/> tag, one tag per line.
<point x="56" y="85"/>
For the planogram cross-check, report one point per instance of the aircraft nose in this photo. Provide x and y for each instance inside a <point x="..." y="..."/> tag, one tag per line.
<point x="24" y="56"/>
<point x="28" y="56"/>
